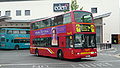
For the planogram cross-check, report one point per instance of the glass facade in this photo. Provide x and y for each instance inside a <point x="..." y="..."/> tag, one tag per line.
<point x="18" y="12"/>
<point x="27" y="12"/>
<point x="94" y="10"/>
<point x="7" y="13"/>
<point x="98" y="34"/>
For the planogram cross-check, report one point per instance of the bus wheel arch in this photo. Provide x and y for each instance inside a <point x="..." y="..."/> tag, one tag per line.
<point x="60" y="54"/>
<point x="16" y="47"/>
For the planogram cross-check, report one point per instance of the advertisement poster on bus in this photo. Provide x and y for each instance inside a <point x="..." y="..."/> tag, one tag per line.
<point x="54" y="37"/>
<point x="53" y="31"/>
<point x="59" y="29"/>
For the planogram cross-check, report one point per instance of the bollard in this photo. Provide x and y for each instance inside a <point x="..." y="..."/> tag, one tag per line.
<point x="106" y="46"/>
<point x="101" y="46"/>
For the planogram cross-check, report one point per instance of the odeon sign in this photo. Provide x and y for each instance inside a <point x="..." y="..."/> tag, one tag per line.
<point x="60" y="7"/>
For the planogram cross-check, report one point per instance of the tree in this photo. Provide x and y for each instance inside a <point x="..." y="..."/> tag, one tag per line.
<point x="74" y="5"/>
<point x="81" y="8"/>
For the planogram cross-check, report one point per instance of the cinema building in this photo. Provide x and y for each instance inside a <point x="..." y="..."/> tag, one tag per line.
<point x="21" y="13"/>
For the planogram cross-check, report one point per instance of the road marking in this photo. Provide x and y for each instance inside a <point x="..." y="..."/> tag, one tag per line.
<point x="73" y="66"/>
<point x="99" y="64"/>
<point x="87" y="66"/>
<point x="117" y="55"/>
<point x="81" y="65"/>
<point x="37" y="66"/>
<point x="34" y="66"/>
<point x="93" y="65"/>
<point x="47" y="66"/>
<point x="109" y="64"/>
<point x="41" y="66"/>
<point x="59" y="63"/>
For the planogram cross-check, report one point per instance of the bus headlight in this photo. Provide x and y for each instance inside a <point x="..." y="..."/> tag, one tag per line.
<point x="93" y="52"/>
<point x="78" y="53"/>
<point x="71" y="45"/>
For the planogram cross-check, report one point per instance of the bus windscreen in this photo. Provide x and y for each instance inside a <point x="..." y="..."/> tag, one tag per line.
<point x="84" y="41"/>
<point x="85" y="17"/>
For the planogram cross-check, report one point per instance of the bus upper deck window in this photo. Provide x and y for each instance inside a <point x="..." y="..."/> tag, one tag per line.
<point x="67" y="18"/>
<point x="2" y="39"/>
<point x="81" y="16"/>
<point x="9" y="31"/>
<point x="2" y="31"/>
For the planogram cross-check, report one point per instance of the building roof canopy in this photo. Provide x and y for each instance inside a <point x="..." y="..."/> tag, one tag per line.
<point x="102" y="16"/>
<point x="8" y="19"/>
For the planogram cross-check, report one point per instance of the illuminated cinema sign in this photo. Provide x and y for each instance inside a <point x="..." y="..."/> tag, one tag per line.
<point x="60" y="7"/>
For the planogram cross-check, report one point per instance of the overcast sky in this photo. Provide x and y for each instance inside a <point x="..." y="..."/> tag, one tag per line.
<point x="119" y="3"/>
<point x="13" y="0"/>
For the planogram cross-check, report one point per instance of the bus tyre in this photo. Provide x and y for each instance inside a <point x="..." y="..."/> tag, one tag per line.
<point x="36" y="53"/>
<point x="16" y="47"/>
<point x="60" y="54"/>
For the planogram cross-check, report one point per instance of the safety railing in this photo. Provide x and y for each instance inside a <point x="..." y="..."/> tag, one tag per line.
<point x="102" y="46"/>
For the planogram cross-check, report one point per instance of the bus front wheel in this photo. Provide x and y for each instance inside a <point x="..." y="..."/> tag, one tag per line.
<point x="60" y="54"/>
<point x="37" y="53"/>
<point x="16" y="47"/>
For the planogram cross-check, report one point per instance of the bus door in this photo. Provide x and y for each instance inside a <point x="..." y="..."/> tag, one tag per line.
<point x="62" y="41"/>
<point x="2" y="41"/>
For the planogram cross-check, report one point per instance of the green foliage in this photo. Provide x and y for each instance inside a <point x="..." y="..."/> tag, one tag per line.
<point x="66" y="11"/>
<point x="81" y="8"/>
<point x="74" y="5"/>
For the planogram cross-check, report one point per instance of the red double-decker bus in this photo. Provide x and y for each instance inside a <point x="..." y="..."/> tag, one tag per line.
<point x="71" y="35"/>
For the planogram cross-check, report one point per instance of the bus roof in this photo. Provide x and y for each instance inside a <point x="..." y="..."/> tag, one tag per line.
<point x="14" y="29"/>
<point x="57" y="15"/>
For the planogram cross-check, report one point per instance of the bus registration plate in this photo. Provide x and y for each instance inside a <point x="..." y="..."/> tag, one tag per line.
<point x="87" y="56"/>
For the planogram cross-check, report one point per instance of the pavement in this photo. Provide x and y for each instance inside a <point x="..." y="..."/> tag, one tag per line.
<point x="117" y="55"/>
<point x="100" y="50"/>
<point x="115" y="49"/>
<point x="23" y="59"/>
